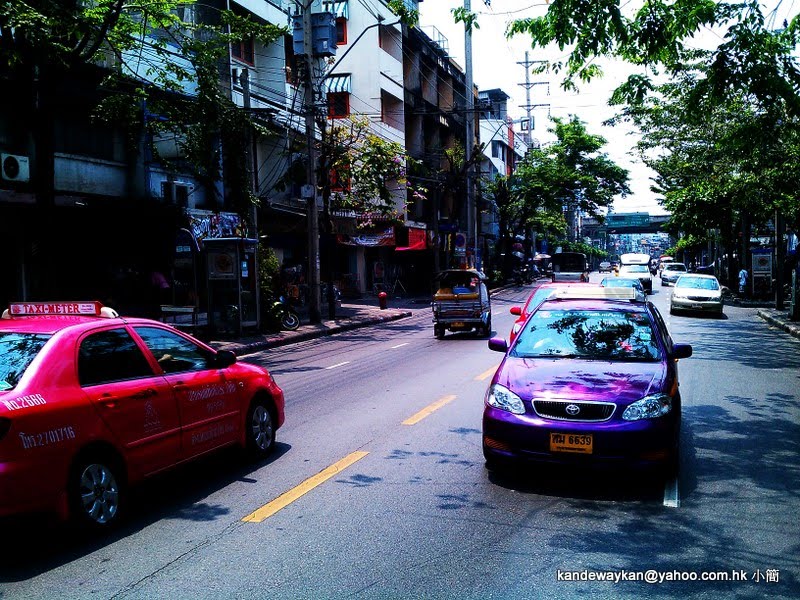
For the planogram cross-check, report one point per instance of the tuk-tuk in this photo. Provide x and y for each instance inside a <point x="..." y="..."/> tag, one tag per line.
<point x="461" y="303"/>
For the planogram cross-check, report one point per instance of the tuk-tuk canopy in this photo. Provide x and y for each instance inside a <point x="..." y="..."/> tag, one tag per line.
<point x="462" y="274"/>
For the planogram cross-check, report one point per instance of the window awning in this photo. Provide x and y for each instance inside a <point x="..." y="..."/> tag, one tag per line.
<point x="339" y="8"/>
<point x="337" y="83"/>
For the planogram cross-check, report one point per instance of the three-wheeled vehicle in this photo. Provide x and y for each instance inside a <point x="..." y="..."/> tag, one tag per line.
<point x="461" y="303"/>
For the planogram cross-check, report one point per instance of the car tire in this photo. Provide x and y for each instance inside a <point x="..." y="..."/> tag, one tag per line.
<point x="438" y="331"/>
<point x="259" y="430"/>
<point x="487" y="330"/>
<point x="97" y="492"/>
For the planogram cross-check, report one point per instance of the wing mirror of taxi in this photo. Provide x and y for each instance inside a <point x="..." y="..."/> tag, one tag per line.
<point x="516" y="310"/>
<point x="224" y="358"/>
<point x="681" y="351"/>
<point x="498" y="344"/>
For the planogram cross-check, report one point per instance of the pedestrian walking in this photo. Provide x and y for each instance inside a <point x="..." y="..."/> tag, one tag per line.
<point x="743" y="275"/>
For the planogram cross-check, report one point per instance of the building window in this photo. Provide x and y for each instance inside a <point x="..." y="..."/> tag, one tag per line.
<point x="338" y="105"/>
<point x="243" y="51"/>
<point x="341" y="31"/>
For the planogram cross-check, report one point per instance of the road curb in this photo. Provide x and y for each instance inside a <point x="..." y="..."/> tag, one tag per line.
<point x="303" y="336"/>
<point x="790" y="328"/>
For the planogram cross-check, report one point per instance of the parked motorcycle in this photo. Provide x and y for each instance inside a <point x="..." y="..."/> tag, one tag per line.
<point x="278" y="314"/>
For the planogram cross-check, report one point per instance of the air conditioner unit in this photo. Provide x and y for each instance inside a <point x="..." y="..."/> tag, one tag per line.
<point x="176" y="192"/>
<point x="15" y="167"/>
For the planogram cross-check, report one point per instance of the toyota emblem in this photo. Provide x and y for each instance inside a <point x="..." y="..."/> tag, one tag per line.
<point x="572" y="409"/>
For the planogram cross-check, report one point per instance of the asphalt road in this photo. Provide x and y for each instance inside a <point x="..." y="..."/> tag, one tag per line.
<point x="381" y="454"/>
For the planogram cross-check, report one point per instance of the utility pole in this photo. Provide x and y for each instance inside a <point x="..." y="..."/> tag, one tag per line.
<point x="472" y="216"/>
<point x="310" y="190"/>
<point x="249" y="158"/>
<point x="528" y="85"/>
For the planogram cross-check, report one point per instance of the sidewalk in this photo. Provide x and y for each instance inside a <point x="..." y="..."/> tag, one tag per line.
<point x="780" y="319"/>
<point x="351" y="314"/>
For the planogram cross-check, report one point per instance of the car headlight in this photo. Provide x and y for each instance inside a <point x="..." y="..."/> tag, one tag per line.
<point x="504" y="399"/>
<point x="677" y="294"/>
<point x="649" y="407"/>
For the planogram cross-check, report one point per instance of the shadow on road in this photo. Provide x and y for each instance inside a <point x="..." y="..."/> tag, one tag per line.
<point x="41" y="544"/>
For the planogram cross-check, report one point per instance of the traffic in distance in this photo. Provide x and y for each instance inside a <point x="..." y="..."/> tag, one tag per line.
<point x="92" y="403"/>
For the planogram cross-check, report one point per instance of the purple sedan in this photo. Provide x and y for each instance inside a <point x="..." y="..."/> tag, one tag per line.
<point x="589" y="381"/>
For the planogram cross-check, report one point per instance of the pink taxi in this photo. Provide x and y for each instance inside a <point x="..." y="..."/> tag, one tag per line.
<point x="91" y="403"/>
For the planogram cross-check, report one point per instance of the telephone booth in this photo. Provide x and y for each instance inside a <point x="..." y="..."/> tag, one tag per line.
<point x="233" y="298"/>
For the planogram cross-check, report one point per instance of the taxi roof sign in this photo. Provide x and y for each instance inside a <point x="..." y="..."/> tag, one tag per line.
<point x="90" y="308"/>
<point x="577" y="292"/>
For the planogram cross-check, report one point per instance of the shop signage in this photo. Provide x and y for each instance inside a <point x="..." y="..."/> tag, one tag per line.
<point x="207" y="224"/>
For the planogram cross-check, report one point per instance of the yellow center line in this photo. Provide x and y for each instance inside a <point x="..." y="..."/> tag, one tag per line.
<point x="428" y="410"/>
<point x="309" y="484"/>
<point x="486" y="374"/>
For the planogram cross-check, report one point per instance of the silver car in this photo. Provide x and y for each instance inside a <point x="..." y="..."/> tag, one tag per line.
<point x="695" y="292"/>
<point x="671" y="272"/>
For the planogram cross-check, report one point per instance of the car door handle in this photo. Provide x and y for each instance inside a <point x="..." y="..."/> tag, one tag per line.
<point x="144" y="394"/>
<point x="108" y="401"/>
<point x="180" y="387"/>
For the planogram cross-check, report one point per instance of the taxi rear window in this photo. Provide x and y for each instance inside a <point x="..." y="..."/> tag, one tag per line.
<point x="17" y="351"/>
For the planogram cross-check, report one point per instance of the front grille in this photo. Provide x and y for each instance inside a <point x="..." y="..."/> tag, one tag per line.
<point x="699" y="298"/>
<point x="587" y="411"/>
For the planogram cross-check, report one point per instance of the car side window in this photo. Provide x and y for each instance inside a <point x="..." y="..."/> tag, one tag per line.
<point x="109" y="356"/>
<point x="662" y="327"/>
<point x="173" y="352"/>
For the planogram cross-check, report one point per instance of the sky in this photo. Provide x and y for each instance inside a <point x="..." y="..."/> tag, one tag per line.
<point x="495" y="65"/>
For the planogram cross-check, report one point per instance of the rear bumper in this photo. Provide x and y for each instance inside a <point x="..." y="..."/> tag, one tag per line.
<point x="696" y="305"/>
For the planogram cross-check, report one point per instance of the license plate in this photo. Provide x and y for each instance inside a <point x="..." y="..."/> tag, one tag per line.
<point x="457" y="324"/>
<point x="697" y="307"/>
<point x="580" y="443"/>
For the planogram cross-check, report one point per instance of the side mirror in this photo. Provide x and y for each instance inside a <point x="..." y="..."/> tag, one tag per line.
<point x="516" y="310"/>
<point x="498" y="344"/>
<point x="224" y="358"/>
<point x="681" y="351"/>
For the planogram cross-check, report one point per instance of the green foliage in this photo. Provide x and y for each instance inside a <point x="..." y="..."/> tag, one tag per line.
<point x="408" y="15"/>
<point x="269" y="271"/>
<point x="375" y="168"/>
<point x="582" y="247"/>
<point x="570" y="172"/>
<point x="462" y="15"/>
<point x="165" y="56"/>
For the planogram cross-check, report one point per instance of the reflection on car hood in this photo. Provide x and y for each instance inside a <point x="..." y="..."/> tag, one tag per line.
<point x="570" y="379"/>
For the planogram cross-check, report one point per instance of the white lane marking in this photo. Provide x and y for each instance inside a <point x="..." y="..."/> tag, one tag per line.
<point x="341" y="364"/>
<point x="672" y="497"/>
<point x="400" y="345"/>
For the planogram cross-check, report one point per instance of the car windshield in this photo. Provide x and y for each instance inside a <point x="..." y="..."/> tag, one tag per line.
<point x="620" y="282"/>
<point x="675" y="267"/>
<point x="635" y="268"/>
<point x="589" y="334"/>
<point x="17" y="350"/>
<point x="697" y="283"/>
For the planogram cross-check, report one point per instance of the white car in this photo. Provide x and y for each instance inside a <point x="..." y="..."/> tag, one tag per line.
<point x="671" y="272"/>
<point x="604" y="267"/>
<point x="640" y="272"/>
<point x="695" y="292"/>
